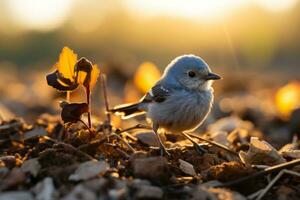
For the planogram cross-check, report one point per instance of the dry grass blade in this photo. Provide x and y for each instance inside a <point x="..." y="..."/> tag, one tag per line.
<point x="261" y="173"/>
<point x="104" y="90"/>
<point x="213" y="143"/>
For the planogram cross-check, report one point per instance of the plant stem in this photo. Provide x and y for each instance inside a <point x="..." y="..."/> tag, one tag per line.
<point x="68" y="96"/>
<point x="88" y="101"/>
<point x="91" y="132"/>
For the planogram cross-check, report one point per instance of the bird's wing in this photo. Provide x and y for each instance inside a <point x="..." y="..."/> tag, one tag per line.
<point x="157" y="93"/>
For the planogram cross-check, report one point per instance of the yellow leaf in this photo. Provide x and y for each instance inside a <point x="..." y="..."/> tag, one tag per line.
<point x="66" y="63"/>
<point x="81" y="77"/>
<point x="94" y="75"/>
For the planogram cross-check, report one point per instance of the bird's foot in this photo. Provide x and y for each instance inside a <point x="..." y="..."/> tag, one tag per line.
<point x="164" y="151"/>
<point x="199" y="148"/>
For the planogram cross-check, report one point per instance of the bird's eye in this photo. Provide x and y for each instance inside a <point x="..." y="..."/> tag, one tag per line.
<point x="191" y="74"/>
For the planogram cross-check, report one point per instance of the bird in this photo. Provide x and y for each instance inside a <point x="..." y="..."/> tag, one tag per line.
<point x="180" y="100"/>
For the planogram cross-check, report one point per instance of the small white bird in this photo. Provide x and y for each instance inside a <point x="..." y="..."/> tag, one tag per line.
<point x="179" y="101"/>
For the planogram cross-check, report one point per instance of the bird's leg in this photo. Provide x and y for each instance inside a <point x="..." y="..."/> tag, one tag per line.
<point x="162" y="147"/>
<point x="198" y="148"/>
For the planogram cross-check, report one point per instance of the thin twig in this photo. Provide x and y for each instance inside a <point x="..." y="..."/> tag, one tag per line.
<point x="104" y="90"/>
<point x="126" y="143"/>
<point x="88" y="128"/>
<point x="94" y="142"/>
<point x="138" y="126"/>
<point x="269" y="170"/>
<point x="76" y="150"/>
<point x="213" y="143"/>
<point x="70" y="147"/>
<point x="123" y="153"/>
<point x="277" y="177"/>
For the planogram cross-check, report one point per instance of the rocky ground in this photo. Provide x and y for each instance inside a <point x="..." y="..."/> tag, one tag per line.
<point x="50" y="160"/>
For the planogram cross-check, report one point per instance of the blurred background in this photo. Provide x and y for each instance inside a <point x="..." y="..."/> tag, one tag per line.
<point x="254" y="44"/>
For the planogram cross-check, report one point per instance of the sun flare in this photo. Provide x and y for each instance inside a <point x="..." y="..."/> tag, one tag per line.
<point x="40" y="15"/>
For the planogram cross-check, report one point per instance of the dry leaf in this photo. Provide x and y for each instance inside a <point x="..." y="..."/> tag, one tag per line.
<point x="89" y="169"/>
<point x="63" y="78"/>
<point x="71" y="112"/>
<point x="261" y="153"/>
<point x="187" y="168"/>
<point x="60" y="83"/>
<point x="291" y="154"/>
<point x="86" y="73"/>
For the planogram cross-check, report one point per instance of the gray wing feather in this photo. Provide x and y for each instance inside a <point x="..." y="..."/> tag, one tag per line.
<point x="158" y="93"/>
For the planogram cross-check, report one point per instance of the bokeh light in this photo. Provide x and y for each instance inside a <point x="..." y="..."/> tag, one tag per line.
<point x="146" y="76"/>
<point x="287" y="98"/>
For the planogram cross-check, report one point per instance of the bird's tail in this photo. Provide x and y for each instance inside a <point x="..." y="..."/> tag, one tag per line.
<point x="127" y="110"/>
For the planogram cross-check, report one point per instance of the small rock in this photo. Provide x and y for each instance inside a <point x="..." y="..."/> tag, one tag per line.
<point x="10" y="161"/>
<point x="118" y="193"/>
<point x="149" y="192"/>
<point x="204" y="193"/>
<point x="32" y="166"/>
<point x="187" y="168"/>
<point x="147" y="138"/>
<point x="38" y="131"/>
<point x="95" y="184"/>
<point x="89" y="170"/>
<point x="201" y="193"/>
<point x="15" y="177"/>
<point x="16" y="195"/>
<point x="80" y="193"/>
<point x="138" y="182"/>
<point x="154" y="168"/>
<point x="45" y="189"/>
<point x="225" y="194"/>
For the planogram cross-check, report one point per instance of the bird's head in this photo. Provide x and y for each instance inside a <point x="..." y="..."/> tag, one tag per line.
<point x="191" y="72"/>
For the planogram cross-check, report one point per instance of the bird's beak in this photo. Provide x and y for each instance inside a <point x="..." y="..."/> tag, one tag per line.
<point x="212" y="76"/>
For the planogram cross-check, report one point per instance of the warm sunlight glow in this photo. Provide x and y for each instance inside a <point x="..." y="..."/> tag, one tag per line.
<point x="193" y="9"/>
<point x="43" y="15"/>
<point x="287" y="98"/>
<point x="146" y="76"/>
<point x="276" y="5"/>
<point x="202" y="10"/>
